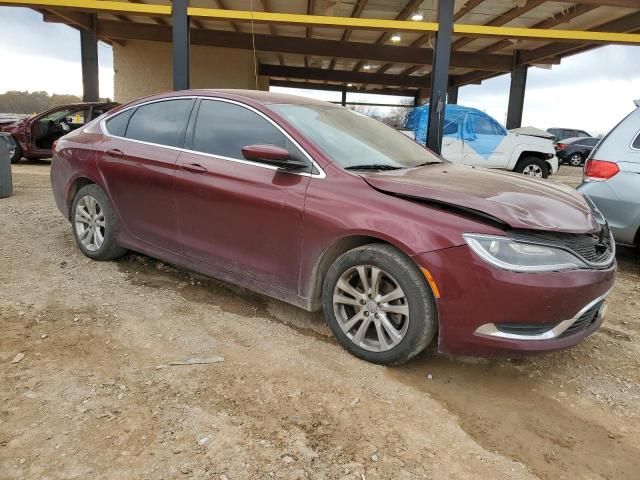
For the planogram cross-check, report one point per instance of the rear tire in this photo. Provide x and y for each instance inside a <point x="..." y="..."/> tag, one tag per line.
<point x="95" y="225"/>
<point x="532" y="167"/>
<point x="389" y="317"/>
<point x="576" y="160"/>
<point x="15" y="154"/>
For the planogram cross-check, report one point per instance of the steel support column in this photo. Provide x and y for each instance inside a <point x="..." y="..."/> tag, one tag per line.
<point x="516" y="93"/>
<point x="344" y="97"/>
<point x="452" y="95"/>
<point x="440" y="75"/>
<point x="89" y="59"/>
<point x="181" y="41"/>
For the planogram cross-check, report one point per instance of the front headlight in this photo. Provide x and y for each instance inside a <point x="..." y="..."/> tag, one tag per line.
<point x="508" y="254"/>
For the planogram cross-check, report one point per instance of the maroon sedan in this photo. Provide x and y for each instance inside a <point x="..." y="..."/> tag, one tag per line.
<point x="34" y="136"/>
<point x="321" y="207"/>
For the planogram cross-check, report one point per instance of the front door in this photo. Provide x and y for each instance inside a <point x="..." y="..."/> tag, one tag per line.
<point x="240" y="216"/>
<point x="138" y="160"/>
<point x="484" y="142"/>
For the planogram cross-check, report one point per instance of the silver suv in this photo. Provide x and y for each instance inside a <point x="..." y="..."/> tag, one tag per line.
<point x="611" y="178"/>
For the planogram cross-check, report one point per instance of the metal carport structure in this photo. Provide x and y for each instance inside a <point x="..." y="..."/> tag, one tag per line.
<point x="360" y="45"/>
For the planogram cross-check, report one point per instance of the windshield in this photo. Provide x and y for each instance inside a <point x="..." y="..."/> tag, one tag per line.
<point x="57" y="115"/>
<point x="354" y="140"/>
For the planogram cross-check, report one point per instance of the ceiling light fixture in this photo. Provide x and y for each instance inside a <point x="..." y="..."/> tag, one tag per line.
<point x="396" y="38"/>
<point x="349" y="85"/>
<point x="417" y="17"/>
<point x="367" y="67"/>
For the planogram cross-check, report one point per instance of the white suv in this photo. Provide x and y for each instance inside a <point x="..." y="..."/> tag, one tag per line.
<point x="472" y="137"/>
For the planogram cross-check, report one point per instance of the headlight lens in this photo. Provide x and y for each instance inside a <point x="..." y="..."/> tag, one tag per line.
<point x="506" y="253"/>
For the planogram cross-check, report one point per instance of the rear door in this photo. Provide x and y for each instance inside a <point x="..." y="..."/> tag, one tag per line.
<point x="240" y="216"/>
<point x="452" y="145"/>
<point x="138" y="161"/>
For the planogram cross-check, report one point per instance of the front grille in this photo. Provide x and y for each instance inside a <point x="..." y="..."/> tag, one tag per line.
<point x="585" y="320"/>
<point x="596" y="249"/>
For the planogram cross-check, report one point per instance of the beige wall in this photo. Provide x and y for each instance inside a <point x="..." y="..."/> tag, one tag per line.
<point x="144" y="68"/>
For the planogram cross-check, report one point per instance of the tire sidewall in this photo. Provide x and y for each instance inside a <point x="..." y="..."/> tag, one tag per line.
<point x="17" y="155"/>
<point x="422" y="311"/>
<point x="109" y="243"/>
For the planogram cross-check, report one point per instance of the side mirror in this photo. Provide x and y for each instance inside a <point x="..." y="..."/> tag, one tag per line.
<point x="272" y="155"/>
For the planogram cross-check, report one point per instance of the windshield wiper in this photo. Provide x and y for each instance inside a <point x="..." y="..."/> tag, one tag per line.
<point x="373" y="167"/>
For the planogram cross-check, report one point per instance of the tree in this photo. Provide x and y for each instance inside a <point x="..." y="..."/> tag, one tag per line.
<point x="24" y="102"/>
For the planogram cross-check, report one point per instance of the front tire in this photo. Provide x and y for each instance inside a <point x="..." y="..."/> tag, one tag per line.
<point x="378" y="305"/>
<point x="95" y="225"/>
<point x="532" y="167"/>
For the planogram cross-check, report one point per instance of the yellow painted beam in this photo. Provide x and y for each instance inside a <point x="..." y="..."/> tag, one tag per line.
<point x="333" y="22"/>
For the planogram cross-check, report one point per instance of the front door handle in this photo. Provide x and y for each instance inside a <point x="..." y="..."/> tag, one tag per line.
<point x="193" y="168"/>
<point x="114" y="152"/>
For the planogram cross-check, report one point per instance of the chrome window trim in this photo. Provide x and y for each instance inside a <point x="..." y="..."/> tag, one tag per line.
<point x="320" y="175"/>
<point x="490" y="329"/>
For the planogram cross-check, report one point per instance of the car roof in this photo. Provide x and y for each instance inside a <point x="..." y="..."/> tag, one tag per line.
<point x="256" y="96"/>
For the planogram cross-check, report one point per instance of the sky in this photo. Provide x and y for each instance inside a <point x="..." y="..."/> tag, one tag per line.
<point x="590" y="91"/>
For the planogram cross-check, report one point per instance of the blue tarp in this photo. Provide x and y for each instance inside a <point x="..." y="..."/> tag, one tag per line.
<point x="476" y="129"/>
<point x="454" y="116"/>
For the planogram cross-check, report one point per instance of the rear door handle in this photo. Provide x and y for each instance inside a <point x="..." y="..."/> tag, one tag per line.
<point x="114" y="152"/>
<point x="193" y="168"/>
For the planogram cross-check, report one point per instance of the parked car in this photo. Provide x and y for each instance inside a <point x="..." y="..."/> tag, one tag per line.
<point x="575" y="151"/>
<point x="563" y="133"/>
<point x="612" y="178"/>
<point x="472" y="137"/>
<point x="35" y="135"/>
<point x="321" y="207"/>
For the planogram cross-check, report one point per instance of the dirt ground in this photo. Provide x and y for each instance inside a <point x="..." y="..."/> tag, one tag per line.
<point x="94" y="396"/>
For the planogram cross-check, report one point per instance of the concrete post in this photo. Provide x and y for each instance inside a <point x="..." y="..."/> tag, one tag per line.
<point x="6" y="185"/>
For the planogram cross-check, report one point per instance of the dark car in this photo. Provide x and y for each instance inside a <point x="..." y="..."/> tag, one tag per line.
<point x="563" y="133"/>
<point x="35" y="135"/>
<point x="321" y="207"/>
<point x="575" y="151"/>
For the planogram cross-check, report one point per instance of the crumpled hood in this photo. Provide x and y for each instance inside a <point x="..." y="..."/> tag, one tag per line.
<point x="520" y="202"/>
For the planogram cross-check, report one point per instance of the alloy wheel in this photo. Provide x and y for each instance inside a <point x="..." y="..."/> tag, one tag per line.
<point x="12" y="152"/>
<point x="371" y="308"/>
<point x="90" y="223"/>
<point x="532" y="170"/>
<point x="575" y="160"/>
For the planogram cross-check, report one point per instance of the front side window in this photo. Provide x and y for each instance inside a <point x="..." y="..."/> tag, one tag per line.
<point x="483" y="126"/>
<point x="162" y="123"/>
<point x="351" y="139"/>
<point x="223" y="129"/>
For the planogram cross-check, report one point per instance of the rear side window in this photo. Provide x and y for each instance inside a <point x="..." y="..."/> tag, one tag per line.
<point x="117" y="125"/>
<point x="223" y="129"/>
<point x="591" y="142"/>
<point x="162" y="123"/>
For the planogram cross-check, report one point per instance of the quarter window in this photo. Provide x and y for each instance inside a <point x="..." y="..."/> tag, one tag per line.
<point x="117" y="125"/>
<point x="163" y="123"/>
<point x="223" y="129"/>
<point x="636" y="142"/>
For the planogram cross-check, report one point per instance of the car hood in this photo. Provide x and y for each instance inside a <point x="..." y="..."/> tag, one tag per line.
<point x="518" y="201"/>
